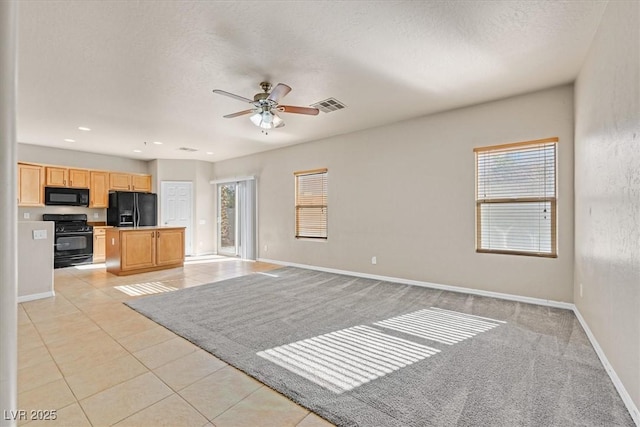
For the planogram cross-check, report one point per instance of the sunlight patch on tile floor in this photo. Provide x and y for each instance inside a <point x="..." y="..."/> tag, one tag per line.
<point x="208" y="260"/>
<point x="436" y="324"/>
<point x="145" y="288"/>
<point x="90" y="266"/>
<point x="343" y="360"/>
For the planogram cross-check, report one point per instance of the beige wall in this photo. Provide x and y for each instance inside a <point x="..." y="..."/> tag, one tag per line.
<point x="607" y="201"/>
<point x="405" y="194"/>
<point x="79" y="159"/>
<point x="199" y="174"/>
<point x="35" y="282"/>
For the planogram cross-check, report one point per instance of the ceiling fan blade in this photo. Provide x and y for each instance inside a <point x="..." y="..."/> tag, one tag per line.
<point x="232" y="95"/>
<point x="239" y="113"/>
<point x="280" y="91"/>
<point x="298" y="110"/>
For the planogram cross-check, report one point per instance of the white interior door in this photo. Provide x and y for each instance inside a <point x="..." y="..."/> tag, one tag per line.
<point x="176" y="208"/>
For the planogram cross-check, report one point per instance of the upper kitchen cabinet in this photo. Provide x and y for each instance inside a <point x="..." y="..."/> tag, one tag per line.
<point x="79" y="178"/>
<point x="141" y="183"/>
<point x="64" y="177"/>
<point x="129" y="182"/>
<point x="119" y="181"/>
<point x="99" y="189"/>
<point x="30" y="184"/>
<point x="56" y="177"/>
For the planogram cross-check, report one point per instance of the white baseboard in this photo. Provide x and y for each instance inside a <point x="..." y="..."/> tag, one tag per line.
<point x="499" y="295"/>
<point x="33" y="297"/>
<point x="622" y="391"/>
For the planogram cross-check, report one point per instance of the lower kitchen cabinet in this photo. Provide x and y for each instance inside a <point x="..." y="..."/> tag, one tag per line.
<point x="99" y="240"/>
<point x="142" y="249"/>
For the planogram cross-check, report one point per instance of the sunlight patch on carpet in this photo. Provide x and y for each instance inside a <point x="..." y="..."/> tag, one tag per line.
<point x="343" y="360"/>
<point x="148" y="288"/>
<point x="436" y="324"/>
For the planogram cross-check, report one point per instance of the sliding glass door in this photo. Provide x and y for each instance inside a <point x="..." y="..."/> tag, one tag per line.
<point x="237" y="218"/>
<point x="228" y="230"/>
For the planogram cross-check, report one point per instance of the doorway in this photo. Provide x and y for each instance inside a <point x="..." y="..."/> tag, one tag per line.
<point x="236" y="212"/>
<point x="176" y="208"/>
<point x="228" y="232"/>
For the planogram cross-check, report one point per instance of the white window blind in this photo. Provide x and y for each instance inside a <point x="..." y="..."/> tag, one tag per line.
<point x="311" y="203"/>
<point x="516" y="198"/>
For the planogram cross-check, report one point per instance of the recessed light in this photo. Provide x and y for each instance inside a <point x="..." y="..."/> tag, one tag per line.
<point x="157" y="142"/>
<point x="137" y="151"/>
<point x="69" y="140"/>
<point x="84" y="128"/>
<point x="209" y="152"/>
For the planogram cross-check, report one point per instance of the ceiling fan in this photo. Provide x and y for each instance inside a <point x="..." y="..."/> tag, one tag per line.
<point x="264" y="112"/>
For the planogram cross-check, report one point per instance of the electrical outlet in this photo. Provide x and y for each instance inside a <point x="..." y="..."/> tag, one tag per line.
<point x="39" y="234"/>
<point x="26" y="215"/>
<point x="580" y="290"/>
<point x="374" y="260"/>
<point x="266" y="248"/>
<point x="96" y="215"/>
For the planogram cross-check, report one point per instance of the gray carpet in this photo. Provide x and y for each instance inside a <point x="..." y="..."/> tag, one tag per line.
<point x="362" y="352"/>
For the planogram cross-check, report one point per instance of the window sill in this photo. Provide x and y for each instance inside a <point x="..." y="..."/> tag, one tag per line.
<point x="313" y="239"/>
<point x="520" y="253"/>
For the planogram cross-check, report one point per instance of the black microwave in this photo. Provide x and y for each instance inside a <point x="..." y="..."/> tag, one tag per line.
<point x="56" y="196"/>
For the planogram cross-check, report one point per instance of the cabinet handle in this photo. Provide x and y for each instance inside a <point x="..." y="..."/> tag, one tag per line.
<point x="158" y="234"/>
<point x="153" y="234"/>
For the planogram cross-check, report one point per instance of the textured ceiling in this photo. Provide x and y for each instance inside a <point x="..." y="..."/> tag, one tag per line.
<point x="143" y="71"/>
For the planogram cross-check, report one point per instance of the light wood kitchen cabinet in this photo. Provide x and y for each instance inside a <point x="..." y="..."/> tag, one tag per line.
<point x="119" y="181"/>
<point x="99" y="240"/>
<point x="66" y="177"/>
<point x="141" y="183"/>
<point x="137" y="250"/>
<point x="56" y="177"/>
<point x="129" y="182"/>
<point x="30" y="185"/>
<point x="78" y="178"/>
<point x="169" y="246"/>
<point x="99" y="189"/>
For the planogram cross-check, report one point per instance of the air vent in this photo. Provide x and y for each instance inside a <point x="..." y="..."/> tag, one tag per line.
<point x="329" y="105"/>
<point x="191" y="150"/>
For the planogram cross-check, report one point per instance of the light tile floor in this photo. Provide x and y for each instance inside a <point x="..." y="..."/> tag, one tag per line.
<point x="96" y="362"/>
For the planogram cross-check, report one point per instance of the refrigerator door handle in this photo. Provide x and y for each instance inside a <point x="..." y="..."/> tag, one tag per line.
<point x="135" y="211"/>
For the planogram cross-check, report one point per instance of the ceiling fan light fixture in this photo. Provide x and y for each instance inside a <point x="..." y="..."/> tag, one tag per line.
<point x="256" y="119"/>
<point x="277" y="121"/>
<point x="266" y="120"/>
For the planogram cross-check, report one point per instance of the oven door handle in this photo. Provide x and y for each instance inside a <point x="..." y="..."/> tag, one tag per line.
<point x="74" y="233"/>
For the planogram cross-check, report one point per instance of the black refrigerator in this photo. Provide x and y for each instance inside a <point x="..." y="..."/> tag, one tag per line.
<point x="131" y="209"/>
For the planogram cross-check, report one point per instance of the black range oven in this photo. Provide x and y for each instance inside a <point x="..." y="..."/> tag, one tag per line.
<point x="73" y="243"/>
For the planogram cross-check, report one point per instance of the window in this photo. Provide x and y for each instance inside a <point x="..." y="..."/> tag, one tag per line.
<point x="516" y="198"/>
<point x="311" y="204"/>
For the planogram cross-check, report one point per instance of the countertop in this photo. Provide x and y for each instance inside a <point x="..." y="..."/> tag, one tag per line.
<point x="154" y="227"/>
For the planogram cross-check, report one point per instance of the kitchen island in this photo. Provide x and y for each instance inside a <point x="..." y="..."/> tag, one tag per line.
<point x="131" y="250"/>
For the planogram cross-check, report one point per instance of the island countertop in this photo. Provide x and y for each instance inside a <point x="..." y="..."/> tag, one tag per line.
<point x="150" y="227"/>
